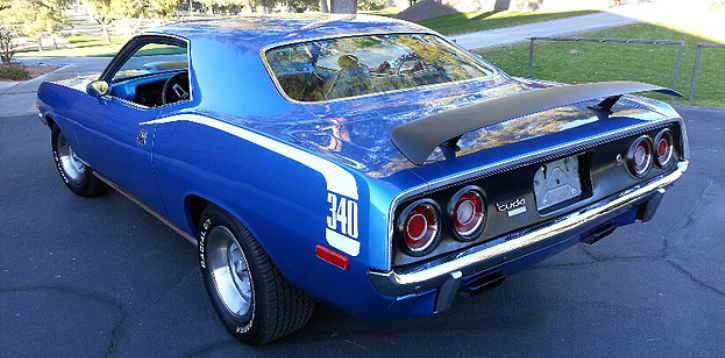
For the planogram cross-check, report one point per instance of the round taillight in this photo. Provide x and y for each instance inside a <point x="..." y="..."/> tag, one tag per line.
<point x="665" y="147"/>
<point x="420" y="227"/>
<point x="640" y="156"/>
<point x="467" y="211"/>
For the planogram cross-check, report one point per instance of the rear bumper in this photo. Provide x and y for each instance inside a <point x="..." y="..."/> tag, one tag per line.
<point x="448" y="273"/>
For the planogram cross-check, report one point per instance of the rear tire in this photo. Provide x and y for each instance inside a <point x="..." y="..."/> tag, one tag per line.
<point x="253" y="300"/>
<point x="75" y="174"/>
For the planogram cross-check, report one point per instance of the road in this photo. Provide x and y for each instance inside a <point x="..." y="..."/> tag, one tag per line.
<point x="102" y="278"/>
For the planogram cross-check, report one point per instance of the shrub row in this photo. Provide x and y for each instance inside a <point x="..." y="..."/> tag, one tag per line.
<point x="14" y="71"/>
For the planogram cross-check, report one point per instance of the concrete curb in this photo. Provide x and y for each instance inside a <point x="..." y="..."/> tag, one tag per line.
<point x="47" y="74"/>
<point x="7" y="86"/>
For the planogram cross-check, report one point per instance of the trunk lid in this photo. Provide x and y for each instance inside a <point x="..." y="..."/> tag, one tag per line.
<point x="356" y="133"/>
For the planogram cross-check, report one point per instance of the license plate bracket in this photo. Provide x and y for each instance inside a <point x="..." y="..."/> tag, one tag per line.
<point x="557" y="182"/>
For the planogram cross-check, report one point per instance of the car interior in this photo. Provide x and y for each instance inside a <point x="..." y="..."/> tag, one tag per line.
<point x="154" y="76"/>
<point x="307" y="83"/>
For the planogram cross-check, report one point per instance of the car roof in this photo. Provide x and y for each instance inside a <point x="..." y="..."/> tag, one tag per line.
<point x="265" y="30"/>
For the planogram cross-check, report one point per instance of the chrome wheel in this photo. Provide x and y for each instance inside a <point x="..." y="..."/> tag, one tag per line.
<point x="230" y="271"/>
<point x="254" y="301"/>
<point x="72" y="167"/>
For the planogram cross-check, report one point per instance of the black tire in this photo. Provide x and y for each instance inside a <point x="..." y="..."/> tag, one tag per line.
<point x="77" y="177"/>
<point x="276" y="308"/>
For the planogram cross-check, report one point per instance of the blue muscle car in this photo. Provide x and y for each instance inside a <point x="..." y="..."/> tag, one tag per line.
<point x="362" y="162"/>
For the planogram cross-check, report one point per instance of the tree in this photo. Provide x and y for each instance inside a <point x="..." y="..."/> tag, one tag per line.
<point x="100" y="11"/>
<point x="163" y="8"/>
<point x="229" y="6"/>
<point x="106" y="11"/>
<point x="131" y="10"/>
<point x="128" y="9"/>
<point x="34" y="18"/>
<point x="301" y="5"/>
<point x="323" y="6"/>
<point x="7" y="47"/>
<point x="343" y="6"/>
<point x="250" y="5"/>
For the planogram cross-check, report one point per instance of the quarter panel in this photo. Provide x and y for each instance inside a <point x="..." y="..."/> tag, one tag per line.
<point x="284" y="203"/>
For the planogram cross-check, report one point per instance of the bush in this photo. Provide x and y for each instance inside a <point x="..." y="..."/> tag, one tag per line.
<point x="14" y="71"/>
<point x="368" y="5"/>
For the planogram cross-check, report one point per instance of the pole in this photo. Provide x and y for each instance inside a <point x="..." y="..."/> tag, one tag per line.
<point x="531" y="56"/>
<point x="694" y="73"/>
<point x="677" y="67"/>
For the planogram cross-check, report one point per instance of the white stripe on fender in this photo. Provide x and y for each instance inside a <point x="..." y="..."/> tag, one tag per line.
<point x="337" y="179"/>
<point x="342" y="243"/>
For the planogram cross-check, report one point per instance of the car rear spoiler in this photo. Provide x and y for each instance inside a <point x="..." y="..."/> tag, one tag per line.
<point x="417" y="139"/>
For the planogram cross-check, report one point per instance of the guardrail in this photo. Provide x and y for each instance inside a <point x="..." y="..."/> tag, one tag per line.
<point x="697" y="61"/>
<point x="681" y="44"/>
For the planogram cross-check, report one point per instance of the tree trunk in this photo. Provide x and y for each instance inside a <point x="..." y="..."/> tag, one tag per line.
<point x="250" y="8"/>
<point x="343" y="6"/>
<point x="104" y="29"/>
<point x="323" y="6"/>
<point x="40" y="45"/>
<point x="55" y="43"/>
<point x="137" y="24"/>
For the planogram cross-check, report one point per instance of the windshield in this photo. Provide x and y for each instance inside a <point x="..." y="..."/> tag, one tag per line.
<point x="355" y="66"/>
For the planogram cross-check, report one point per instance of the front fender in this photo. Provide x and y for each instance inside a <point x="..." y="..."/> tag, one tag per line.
<point x="56" y="103"/>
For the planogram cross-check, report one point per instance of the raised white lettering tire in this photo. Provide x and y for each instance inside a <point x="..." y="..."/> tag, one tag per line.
<point x="254" y="301"/>
<point x="75" y="174"/>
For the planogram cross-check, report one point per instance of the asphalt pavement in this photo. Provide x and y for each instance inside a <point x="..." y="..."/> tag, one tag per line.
<point x="102" y="278"/>
<point x="18" y="98"/>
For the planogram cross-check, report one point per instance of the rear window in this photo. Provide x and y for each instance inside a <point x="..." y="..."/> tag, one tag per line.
<point x="355" y="66"/>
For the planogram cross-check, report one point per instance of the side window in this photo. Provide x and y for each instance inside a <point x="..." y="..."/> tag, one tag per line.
<point x="156" y="74"/>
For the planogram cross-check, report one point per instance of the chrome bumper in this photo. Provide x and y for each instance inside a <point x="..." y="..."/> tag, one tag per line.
<point x="392" y="283"/>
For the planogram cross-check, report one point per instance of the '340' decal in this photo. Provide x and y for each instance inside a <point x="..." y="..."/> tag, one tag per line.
<point x="342" y="211"/>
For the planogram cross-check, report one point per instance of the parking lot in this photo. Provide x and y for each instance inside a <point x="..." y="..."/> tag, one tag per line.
<point x="101" y="277"/>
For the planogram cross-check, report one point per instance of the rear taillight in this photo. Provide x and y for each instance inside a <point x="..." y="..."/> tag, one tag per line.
<point x="467" y="209"/>
<point x="665" y="148"/>
<point x="639" y="157"/>
<point x="420" y="226"/>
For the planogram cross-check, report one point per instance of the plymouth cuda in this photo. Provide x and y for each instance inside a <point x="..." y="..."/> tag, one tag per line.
<point x="365" y="163"/>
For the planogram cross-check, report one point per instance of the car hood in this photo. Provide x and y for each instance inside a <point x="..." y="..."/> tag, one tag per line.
<point x="356" y="132"/>
<point x="79" y="83"/>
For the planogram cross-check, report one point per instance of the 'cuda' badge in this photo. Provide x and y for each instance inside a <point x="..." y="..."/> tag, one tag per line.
<point x="512" y="208"/>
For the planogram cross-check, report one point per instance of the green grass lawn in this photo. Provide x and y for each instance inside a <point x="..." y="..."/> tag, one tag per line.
<point x="579" y="62"/>
<point x="94" y="45"/>
<point x="82" y="46"/>
<point x="478" y="21"/>
<point x="388" y="11"/>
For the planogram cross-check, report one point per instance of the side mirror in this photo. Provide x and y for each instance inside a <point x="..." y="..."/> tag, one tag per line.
<point x="97" y="88"/>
